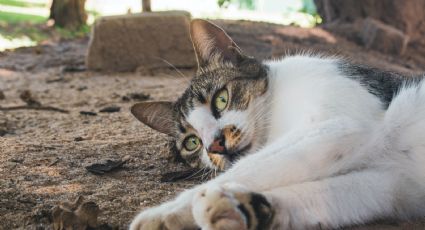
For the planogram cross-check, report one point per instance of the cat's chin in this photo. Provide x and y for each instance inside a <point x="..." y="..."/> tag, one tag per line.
<point x="236" y="155"/>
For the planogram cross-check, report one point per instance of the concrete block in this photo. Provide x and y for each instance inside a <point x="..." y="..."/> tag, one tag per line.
<point x="146" y="40"/>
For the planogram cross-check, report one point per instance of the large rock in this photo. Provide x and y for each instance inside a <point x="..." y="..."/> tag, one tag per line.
<point x="407" y="16"/>
<point x="382" y="37"/>
<point x="148" y="40"/>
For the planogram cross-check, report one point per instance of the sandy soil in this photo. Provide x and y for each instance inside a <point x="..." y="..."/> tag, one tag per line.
<point x="43" y="154"/>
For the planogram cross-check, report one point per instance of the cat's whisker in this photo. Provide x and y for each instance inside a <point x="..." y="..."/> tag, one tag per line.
<point x="193" y="175"/>
<point x="205" y="173"/>
<point x="172" y="66"/>
<point x="179" y="84"/>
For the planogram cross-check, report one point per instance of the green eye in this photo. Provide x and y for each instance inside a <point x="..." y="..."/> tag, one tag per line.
<point x="221" y="100"/>
<point x="191" y="143"/>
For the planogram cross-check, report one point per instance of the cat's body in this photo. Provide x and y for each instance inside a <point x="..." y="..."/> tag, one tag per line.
<point x="306" y="142"/>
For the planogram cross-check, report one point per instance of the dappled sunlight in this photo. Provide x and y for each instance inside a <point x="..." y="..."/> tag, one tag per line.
<point x="46" y="171"/>
<point x="6" y="43"/>
<point x="57" y="189"/>
<point x="307" y="34"/>
<point x="6" y="73"/>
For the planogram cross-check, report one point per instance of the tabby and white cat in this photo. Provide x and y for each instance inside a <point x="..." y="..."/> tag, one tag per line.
<point x="305" y="142"/>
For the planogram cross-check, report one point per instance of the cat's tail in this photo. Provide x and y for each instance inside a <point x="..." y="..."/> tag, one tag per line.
<point x="400" y="136"/>
<point x="403" y="146"/>
<point x="408" y="105"/>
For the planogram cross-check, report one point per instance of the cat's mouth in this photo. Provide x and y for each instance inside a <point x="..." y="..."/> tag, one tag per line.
<point x="235" y="155"/>
<point x="226" y="158"/>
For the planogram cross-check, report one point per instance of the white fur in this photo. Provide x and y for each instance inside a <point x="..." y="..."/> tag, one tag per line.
<point x="334" y="157"/>
<point x="202" y="120"/>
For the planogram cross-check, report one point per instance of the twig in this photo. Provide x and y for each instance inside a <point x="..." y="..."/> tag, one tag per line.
<point x="46" y="108"/>
<point x="55" y="162"/>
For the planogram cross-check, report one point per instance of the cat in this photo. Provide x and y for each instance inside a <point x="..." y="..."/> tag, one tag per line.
<point x="303" y="142"/>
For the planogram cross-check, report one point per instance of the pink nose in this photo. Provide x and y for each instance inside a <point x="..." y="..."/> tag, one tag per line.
<point x="217" y="146"/>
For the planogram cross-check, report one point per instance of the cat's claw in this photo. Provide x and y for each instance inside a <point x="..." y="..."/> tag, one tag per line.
<point x="231" y="207"/>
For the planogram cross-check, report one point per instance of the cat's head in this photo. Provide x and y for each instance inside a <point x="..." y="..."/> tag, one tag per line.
<point x="220" y="116"/>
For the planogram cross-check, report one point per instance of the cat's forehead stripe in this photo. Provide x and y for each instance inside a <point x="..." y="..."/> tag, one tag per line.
<point x="201" y="119"/>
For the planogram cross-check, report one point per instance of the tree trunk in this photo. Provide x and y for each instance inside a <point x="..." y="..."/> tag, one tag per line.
<point x="69" y="14"/>
<point x="146" y="5"/>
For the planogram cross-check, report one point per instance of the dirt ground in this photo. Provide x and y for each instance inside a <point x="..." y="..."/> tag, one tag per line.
<point x="43" y="154"/>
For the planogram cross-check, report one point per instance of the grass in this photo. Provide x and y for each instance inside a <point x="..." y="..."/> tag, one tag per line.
<point x="21" y="3"/>
<point x="13" y="18"/>
<point x="18" y="27"/>
<point x="68" y="34"/>
<point x="32" y="32"/>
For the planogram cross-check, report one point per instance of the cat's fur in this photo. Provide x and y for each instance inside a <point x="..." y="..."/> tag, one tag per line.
<point x="330" y="144"/>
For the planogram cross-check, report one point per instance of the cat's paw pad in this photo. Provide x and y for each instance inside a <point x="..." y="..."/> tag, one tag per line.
<point x="231" y="207"/>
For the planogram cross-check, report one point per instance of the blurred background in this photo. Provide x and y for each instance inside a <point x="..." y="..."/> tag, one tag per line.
<point x="29" y="22"/>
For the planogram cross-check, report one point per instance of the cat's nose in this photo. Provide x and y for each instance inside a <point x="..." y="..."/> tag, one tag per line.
<point x="218" y="146"/>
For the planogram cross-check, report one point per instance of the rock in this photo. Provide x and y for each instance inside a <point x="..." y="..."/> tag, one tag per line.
<point x="379" y="36"/>
<point x="2" y="96"/>
<point x="407" y="16"/>
<point x="77" y="139"/>
<point x="148" y="40"/>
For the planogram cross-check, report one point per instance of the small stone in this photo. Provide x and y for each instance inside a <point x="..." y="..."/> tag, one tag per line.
<point x="125" y="98"/>
<point x="3" y="132"/>
<point x="82" y="88"/>
<point x="2" y="96"/>
<point x="126" y="158"/>
<point x="140" y="96"/>
<point x="78" y="139"/>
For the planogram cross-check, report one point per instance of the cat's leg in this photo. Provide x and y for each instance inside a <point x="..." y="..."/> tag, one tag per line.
<point x="353" y="198"/>
<point x="296" y="158"/>
<point x="172" y="215"/>
<point x="304" y="155"/>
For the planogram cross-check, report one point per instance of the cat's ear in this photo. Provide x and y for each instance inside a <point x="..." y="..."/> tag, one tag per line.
<point x="157" y="115"/>
<point x="210" y="41"/>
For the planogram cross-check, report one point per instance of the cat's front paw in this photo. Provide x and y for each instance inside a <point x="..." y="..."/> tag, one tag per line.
<point x="231" y="207"/>
<point x="164" y="217"/>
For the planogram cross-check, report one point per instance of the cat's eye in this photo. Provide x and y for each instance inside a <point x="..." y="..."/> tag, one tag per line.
<point x="192" y="143"/>
<point x="221" y="100"/>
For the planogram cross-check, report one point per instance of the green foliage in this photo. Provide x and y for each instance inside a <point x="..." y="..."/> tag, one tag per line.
<point x="81" y="32"/>
<point x="21" y="3"/>
<point x="243" y="4"/>
<point x="33" y="33"/>
<point x="21" y="25"/>
<point x="16" y="25"/>
<point x="310" y="8"/>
